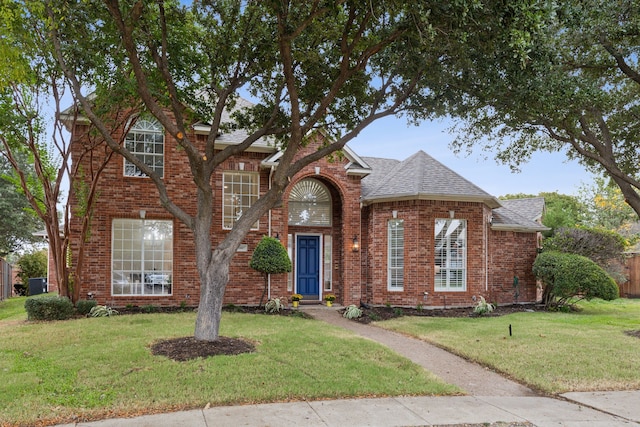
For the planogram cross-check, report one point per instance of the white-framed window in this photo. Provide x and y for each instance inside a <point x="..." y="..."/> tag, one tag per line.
<point x="310" y="204"/>
<point x="395" y="255"/>
<point x="239" y="193"/>
<point x="141" y="257"/>
<point x="327" y="263"/>
<point x="290" y="253"/>
<point x="451" y="254"/>
<point x="146" y="141"/>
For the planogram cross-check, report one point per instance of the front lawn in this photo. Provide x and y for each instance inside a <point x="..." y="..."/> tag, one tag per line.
<point x="554" y="352"/>
<point x="93" y="368"/>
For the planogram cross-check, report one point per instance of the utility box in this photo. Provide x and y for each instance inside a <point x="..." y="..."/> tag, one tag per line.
<point x="38" y="285"/>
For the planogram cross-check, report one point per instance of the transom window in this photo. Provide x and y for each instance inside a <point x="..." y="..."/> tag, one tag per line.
<point x="395" y="258"/>
<point x="239" y="193"/>
<point x="146" y="141"/>
<point x="141" y="257"/>
<point x="310" y="204"/>
<point x="451" y="254"/>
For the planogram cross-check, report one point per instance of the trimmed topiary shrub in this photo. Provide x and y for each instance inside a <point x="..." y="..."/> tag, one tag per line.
<point x="49" y="308"/>
<point x="270" y="257"/>
<point x="84" y="306"/>
<point x="568" y="278"/>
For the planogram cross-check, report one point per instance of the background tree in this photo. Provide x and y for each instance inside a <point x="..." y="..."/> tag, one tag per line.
<point x="33" y="127"/>
<point x="561" y="210"/>
<point x="575" y="90"/>
<point x="336" y="66"/>
<point x="32" y="264"/>
<point x="606" y="206"/>
<point x="605" y="248"/>
<point x="270" y="257"/>
<point x="17" y="221"/>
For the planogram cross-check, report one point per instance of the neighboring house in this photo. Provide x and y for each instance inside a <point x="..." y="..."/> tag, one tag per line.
<point x="370" y="230"/>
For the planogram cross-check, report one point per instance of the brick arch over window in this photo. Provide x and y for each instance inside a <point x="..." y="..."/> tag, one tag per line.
<point x="310" y="204"/>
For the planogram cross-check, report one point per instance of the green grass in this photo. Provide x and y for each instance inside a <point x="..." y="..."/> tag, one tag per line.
<point x="553" y="352"/>
<point x="93" y="368"/>
<point x="13" y="309"/>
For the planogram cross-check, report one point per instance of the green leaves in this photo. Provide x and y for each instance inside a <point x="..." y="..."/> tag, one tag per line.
<point x="270" y="257"/>
<point x="569" y="277"/>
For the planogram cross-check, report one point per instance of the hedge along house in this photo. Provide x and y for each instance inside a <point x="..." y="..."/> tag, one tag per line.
<point x="368" y="230"/>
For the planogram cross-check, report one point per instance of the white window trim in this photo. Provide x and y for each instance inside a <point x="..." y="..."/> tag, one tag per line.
<point x="141" y="272"/>
<point x="133" y="129"/>
<point x="391" y="286"/>
<point x="464" y="262"/>
<point x="255" y="226"/>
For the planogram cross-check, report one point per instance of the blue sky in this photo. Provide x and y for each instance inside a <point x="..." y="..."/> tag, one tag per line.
<point x="392" y="138"/>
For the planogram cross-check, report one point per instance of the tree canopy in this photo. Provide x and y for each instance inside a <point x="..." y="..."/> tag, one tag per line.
<point x="575" y="90"/>
<point x="308" y="65"/>
<point x="17" y="220"/>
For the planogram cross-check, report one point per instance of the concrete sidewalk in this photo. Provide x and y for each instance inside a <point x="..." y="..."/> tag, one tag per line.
<point x="406" y="411"/>
<point x="505" y="402"/>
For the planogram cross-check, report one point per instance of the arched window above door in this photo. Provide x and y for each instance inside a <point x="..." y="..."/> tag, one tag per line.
<point x="310" y="204"/>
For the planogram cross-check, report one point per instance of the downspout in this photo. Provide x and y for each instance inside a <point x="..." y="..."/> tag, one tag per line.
<point x="487" y="226"/>
<point x="269" y="276"/>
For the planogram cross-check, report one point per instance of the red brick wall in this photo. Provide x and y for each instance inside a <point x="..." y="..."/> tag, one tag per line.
<point x="124" y="197"/>
<point x="357" y="276"/>
<point x="483" y="278"/>
<point x="511" y="255"/>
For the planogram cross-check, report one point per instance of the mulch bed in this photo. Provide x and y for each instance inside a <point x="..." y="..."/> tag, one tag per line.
<point x="187" y="348"/>
<point x="370" y="314"/>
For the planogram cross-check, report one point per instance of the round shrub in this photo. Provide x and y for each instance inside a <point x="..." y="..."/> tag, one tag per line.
<point x="270" y="257"/>
<point x="570" y="277"/>
<point x="49" y="308"/>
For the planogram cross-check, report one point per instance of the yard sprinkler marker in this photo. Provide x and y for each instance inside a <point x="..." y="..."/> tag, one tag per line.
<point x="510" y="329"/>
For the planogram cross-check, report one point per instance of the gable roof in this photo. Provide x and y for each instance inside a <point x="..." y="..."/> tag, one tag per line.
<point x="234" y="135"/>
<point x="532" y="208"/>
<point x="355" y="165"/>
<point x="505" y="219"/>
<point x="419" y="177"/>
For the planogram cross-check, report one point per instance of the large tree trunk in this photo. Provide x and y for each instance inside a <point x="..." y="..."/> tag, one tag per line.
<point x="212" y="287"/>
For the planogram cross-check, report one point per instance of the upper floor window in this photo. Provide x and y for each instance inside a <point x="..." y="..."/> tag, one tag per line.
<point x="451" y="254"/>
<point x="310" y="204"/>
<point x="395" y="255"/>
<point x="239" y="193"/>
<point x="146" y="141"/>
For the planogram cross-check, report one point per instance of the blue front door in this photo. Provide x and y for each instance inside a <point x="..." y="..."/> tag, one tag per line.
<point x="308" y="267"/>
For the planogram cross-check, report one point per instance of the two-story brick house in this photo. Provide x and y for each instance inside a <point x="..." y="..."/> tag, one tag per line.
<point x="369" y="230"/>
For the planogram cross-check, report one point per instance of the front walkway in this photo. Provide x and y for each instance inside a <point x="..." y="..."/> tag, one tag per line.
<point x="476" y="380"/>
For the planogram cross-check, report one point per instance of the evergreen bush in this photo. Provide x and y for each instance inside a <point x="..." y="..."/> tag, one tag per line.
<point x="270" y="257"/>
<point x="49" y="308"/>
<point x="568" y="278"/>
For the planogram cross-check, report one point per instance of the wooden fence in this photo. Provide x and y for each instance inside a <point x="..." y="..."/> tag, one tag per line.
<point x="6" y="279"/>
<point x="631" y="288"/>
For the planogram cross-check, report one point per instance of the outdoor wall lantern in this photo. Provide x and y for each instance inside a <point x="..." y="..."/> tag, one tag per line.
<point x="356" y="244"/>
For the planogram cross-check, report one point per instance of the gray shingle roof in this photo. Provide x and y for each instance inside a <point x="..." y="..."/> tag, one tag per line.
<point x="235" y="135"/>
<point x="423" y="177"/>
<point x="531" y="208"/>
<point x="509" y="220"/>
<point x="419" y="177"/>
